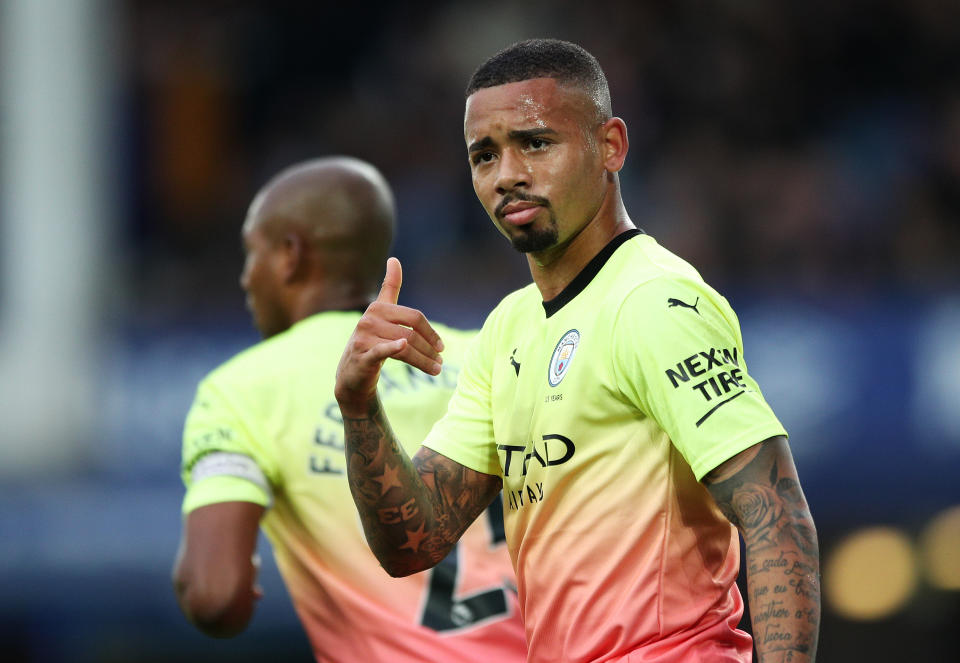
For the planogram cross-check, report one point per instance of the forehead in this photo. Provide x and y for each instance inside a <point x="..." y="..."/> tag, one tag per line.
<point x="538" y="102"/>
<point x="250" y="227"/>
<point x="253" y="223"/>
<point x="253" y="231"/>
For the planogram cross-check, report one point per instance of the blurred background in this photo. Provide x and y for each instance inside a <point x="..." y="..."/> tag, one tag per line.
<point x="805" y="156"/>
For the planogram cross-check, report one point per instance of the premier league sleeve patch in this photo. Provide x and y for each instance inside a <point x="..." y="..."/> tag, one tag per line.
<point x="562" y="357"/>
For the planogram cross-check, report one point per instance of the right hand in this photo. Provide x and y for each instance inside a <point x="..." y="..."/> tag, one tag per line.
<point x="385" y="330"/>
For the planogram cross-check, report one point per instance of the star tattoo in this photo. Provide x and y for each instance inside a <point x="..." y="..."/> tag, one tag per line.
<point x="388" y="479"/>
<point x="414" y="538"/>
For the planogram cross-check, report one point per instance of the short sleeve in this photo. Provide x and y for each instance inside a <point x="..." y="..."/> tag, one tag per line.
<point x="465" y="433"/>
<point x="218" y="489"/>
<point x="222" y="460"/>
<point x="678" y="356"/>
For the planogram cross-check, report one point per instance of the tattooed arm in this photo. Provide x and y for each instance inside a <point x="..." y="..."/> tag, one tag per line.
<point x="412" y="511"/>
<point x="759" y="492"/>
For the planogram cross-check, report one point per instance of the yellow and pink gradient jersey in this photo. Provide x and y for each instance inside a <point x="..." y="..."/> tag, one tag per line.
<point x="602" y="409"/>
<point x="265" y="428"/>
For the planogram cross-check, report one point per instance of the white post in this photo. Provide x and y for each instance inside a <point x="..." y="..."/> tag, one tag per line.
<point x="55" y="225"/>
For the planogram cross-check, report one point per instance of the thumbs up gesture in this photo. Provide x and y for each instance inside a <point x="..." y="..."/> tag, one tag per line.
<point x="385" y="330"/>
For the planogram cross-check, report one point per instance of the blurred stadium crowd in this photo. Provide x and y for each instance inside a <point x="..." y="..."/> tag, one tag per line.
<point x="812" y="146"/>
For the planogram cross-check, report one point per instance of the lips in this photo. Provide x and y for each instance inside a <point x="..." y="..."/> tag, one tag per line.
<point x="518" y="214"/>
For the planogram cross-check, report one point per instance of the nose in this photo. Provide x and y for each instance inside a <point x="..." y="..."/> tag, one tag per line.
<point x="512" y="172"/>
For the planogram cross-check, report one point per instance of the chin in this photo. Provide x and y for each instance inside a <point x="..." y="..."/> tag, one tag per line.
<point x="534" y="241"/>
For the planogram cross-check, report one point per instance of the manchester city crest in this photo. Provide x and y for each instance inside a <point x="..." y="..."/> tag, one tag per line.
<point x="562" y="357"/>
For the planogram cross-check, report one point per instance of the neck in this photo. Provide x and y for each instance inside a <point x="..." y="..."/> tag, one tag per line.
<point x="319" y="299"/>
<point x="553" y="269"/>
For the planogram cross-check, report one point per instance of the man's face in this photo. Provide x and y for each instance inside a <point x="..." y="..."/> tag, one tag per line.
<point x="260" y="279"/>
<point x="535" y="159"/>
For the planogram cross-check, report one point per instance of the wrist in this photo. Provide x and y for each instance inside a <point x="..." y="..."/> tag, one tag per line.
<point x="358" y="408"/>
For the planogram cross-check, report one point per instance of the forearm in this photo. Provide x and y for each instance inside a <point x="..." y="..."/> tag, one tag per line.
<point x="759" y="492"/>
<point x="413" y="511"/>
<point x="405" y="522"/>
<point x="783" y="588"/>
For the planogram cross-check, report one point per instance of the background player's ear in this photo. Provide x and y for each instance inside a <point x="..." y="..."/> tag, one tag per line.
<point x="294" y="256"/>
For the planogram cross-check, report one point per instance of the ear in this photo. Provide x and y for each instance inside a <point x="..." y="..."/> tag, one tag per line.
<point x="293" y="256"/>
<point x="614" y="144"/>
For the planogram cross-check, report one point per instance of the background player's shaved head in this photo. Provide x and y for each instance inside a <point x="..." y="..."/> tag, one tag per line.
<point x="341" y="206"/>
<point x="317" y="236"/>
<point x="564" y="61"/>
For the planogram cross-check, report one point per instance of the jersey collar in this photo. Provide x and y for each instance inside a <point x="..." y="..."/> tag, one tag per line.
<point x="583" y="279"/>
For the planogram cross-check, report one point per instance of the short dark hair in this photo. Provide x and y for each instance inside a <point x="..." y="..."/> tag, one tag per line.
<point x="564" y="61"/>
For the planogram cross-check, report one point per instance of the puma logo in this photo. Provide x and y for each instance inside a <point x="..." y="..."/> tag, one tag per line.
<point x="673" y="301"/>
<point x="515" y="363"/>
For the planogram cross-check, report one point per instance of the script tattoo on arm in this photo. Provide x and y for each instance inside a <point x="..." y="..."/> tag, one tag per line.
<point x="763" y="499"/>
<point x="413" y="511"/>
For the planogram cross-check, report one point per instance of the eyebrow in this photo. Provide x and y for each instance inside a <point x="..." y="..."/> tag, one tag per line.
<point x="481" y="144"/>
<point x="516" y="134"/>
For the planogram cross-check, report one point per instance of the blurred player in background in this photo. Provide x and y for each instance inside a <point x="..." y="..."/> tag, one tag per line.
<point x="263" y="447"/>
<point x="609" y="400"/>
